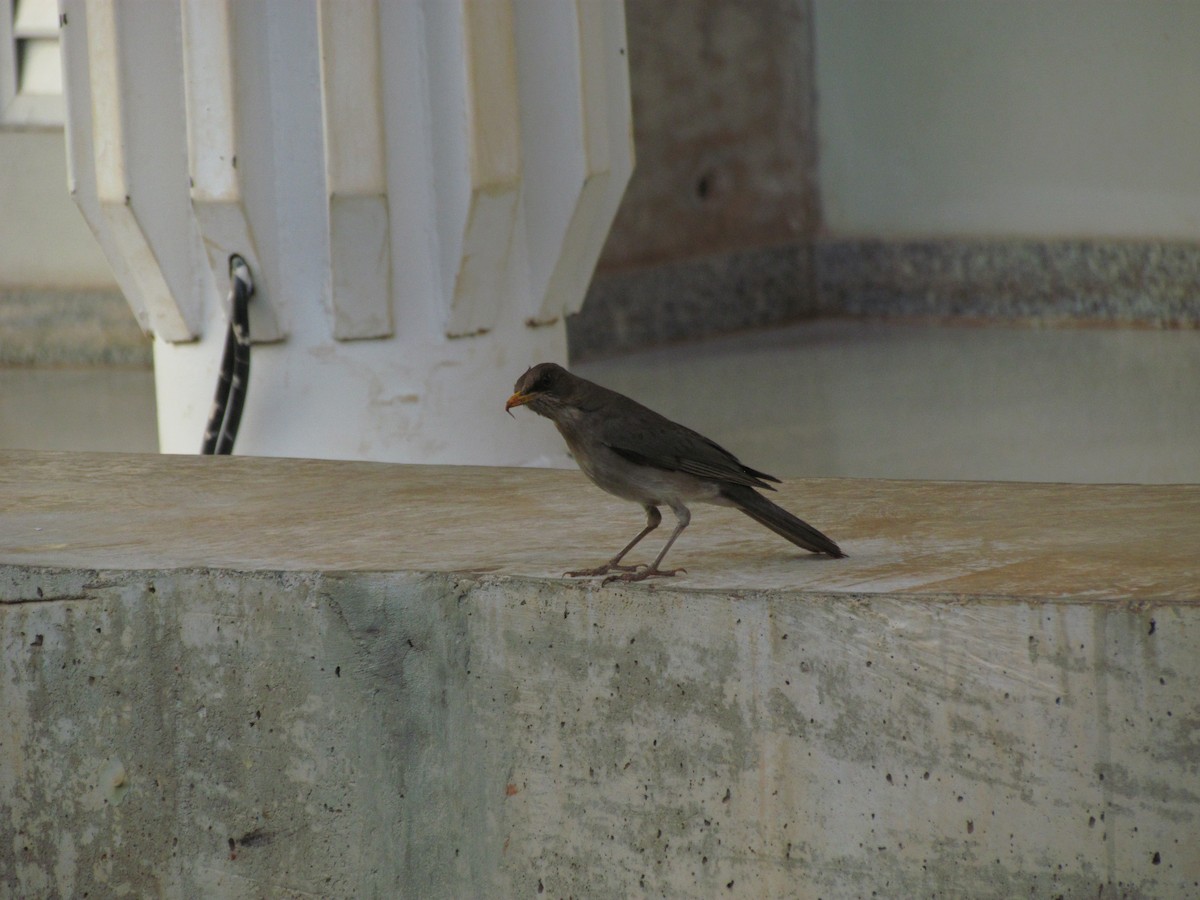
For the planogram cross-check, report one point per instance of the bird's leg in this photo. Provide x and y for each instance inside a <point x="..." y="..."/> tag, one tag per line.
<point x="653" y="519"/>
<point x="640" y="574"/>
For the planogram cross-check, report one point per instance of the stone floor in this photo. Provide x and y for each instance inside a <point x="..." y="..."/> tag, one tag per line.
<point x="830" y="398"/>
<point x="889" y="400"/>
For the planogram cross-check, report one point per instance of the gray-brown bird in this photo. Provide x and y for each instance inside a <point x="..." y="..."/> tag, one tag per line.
<point x="638" y="455"/>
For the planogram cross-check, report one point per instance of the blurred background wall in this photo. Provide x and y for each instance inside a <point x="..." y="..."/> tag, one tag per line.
<point x="922" y="157"/>
<point x="799" y="158"/>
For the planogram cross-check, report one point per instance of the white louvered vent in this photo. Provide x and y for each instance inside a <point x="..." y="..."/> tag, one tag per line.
<point x="31" y="91"/>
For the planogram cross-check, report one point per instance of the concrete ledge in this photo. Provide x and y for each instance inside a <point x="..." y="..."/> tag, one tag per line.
<point x="245" y="677"/>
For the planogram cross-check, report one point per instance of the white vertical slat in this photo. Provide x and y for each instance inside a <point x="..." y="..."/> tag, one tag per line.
<point x="220" y="75"/>
<point x="31" y="76"/>
<point x="355" y="169"/>
<point x="477" y="156"/>
<point x="410" y="171"/>
<point x="35" y="33"/>
<point x="139" y="219"/>
<point x="81" y="164"/>
<point x="608" y="152"/>
<point x="552" y="125"/>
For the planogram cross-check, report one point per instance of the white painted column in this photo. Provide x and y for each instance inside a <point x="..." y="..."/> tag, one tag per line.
<point x="421" y="189"/>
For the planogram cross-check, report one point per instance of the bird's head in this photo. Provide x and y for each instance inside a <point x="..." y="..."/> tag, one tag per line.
<point x="546" y="388"/>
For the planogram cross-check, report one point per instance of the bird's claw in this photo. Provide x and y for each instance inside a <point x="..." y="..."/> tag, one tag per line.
<point x="641" y="573"/>
<point x="599" y="570"/>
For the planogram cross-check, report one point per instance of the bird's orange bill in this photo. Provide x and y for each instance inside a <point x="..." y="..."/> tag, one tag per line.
<point x="517" y="399"/>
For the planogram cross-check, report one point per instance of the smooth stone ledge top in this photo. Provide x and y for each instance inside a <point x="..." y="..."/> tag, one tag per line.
<point x="948" y="540"/>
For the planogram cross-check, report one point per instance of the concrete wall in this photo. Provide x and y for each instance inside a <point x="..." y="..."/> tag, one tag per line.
<point x="208" y="733"/>
<point x="975" y="118"/>
<point x="990" y="161"/>
<point x="240" y="677"/>
<point x="723" y="127"/>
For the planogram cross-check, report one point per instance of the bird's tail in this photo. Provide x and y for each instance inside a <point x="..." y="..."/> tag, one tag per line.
<point x="779" y="520"/>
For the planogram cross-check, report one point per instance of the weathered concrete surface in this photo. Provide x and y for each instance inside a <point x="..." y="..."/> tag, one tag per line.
<point x="918" y="538"/>
<point x="367" y="680"/>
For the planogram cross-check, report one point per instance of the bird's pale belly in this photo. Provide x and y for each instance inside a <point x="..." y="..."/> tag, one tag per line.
<point x="642" y="484"/>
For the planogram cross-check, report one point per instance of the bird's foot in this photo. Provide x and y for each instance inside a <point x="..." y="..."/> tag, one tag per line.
<point x="641" y="573"/>
<point x="599" y="570"/>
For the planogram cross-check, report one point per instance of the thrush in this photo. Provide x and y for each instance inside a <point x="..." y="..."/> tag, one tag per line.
<point x="636" y="454"/>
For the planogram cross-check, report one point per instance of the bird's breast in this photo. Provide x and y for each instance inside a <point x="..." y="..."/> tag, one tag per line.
<point x="628" y="480"/>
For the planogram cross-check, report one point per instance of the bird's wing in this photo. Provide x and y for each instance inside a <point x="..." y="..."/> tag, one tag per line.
<point x="643" y="436"/>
